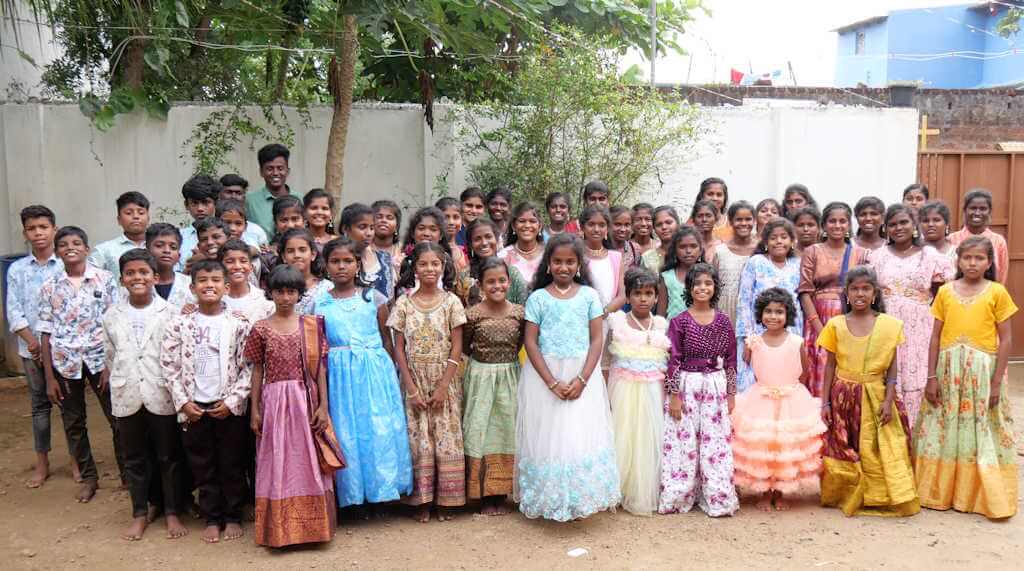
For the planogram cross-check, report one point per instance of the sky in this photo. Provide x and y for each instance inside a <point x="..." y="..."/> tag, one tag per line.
<point x="765" y="35"/>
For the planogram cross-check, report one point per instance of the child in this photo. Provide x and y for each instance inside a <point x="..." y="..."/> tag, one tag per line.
<point x="715" y="190"/>
<point x="298" y="250"/>
<point x="209" y="379"/>
<point x="387" y="219"/>
<point x="363" y="391"/>
<point x="294" y="494"/>
<point x="133" y="330"/>
<point x="560" y="220"/>
<point x="499" y="201"/>
<point x="795" y="197"/>
<point x="163" y="241"/>
<point x="452" y="226"/>
<point x="977" y="215"/>
<point x="25" y="277"/>
<point x="71" y="310"/>
<point x="933" y="218"/>
<point x="232" y="214"/>
<point x="703" y="217"/>
<point x="684" y="250"/>
<point x="607" y="271"/>
<point x="242" y="296"/>
<point x="357" y="222"/>
<point x="596" y="193"/>
<point x="964" y="445"/>
<point x="777" y="424"/>
<point x="200" y="193"/>
<point x="697" y="463"/>
<point x="621" y="234"/>
<point x="643" y="230"/>
<point x="318" y="207"/>
<point x="133" y="218"/>
<point x="427" y="325"/>
<point x="524" y="241"/>
<point x="870" y="232"/>
<point x="288" y="214"/>
<point x="565" y="466"/>
<point x="212" y="234"/>
<point x="472" y="201"/>
<point x="732" y="255"/>
<point x="867" y="459"/>
<point x="273" y="160"/>
<point x="233" y="187"/>
<point x="915" y="195"/>
<point x="766" y="210"/>
<point x="639" y="349"/>
<point x="807" y="224"/>
<point x="427" y="225"/>
<point x="493" y="337"/>
<point x="666" y="222"/>
<point x="481" y="236"/>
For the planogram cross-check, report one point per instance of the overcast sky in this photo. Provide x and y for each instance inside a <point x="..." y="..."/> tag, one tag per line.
<point x="766" y="34"/>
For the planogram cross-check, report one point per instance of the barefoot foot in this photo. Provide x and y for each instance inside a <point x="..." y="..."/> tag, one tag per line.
<point x="233" y="531"/>
<point x="501" y="508"/>
<point x="211" y="534"/>
<point x="422" y="514"/>
<point x="765" y="503"/>
<point x="39" y="476"/>
<point x="445" y="515"/>
<point x="781" y="505"/>
<point x="76" y="474"/>
<point x="86" y="492"/>
<point x="175" y="528"/>
<point x="136" y="529"/>
<point x="153" y="513"/>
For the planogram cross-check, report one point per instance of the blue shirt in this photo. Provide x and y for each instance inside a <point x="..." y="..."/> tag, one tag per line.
<point x="107" y="255"/>
<point x="25" y="279"/>
<point x="253" y="236"/>
<point x="564" y="323"/>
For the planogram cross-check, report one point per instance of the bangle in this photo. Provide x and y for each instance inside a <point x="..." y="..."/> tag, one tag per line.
<point x="930" y="377"/>
<point x="827" y="405"/>
<point x="815" y="318"/>
<point x="453" y="362"/>
<point x="582" y="380"/>
<point x="552" y="386"/>
<point x="413" y="395"/>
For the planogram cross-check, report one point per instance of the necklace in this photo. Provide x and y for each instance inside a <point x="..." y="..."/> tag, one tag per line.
<point x="599" y="253"/>
<point x="562" y="292"/>
<point x="526" y="252"/>
<point x="647" y="330"/>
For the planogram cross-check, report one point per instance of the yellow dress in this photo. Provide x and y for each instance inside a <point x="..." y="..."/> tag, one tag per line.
<point x="867" y="464"/>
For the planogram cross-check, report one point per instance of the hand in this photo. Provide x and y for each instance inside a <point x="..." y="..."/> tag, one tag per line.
<point x="416" y="400"/>
<point x="192" y="412"/>
<point x="932" y="392"/>
<point x="34" y="349"/>
<point x="816" y="326"/>
<point x="574" y="389"/>
<point x="220" y="411"/>
<point x="993" y="397"/>
<point x="732" y="402"/>
<point x="885" y="415"/>
<point x="438" y="396"/>
<point x="265" y="249"/>
<point x="826" y="415"/>
<point x="319" y="423"/>
<point x="675" y="407"/>
<point x="189" y="308"/>
<point x="104" y="380"/>
<point x="53" y="391"/>
<point x="559" y="389"/>
<point x="256" y="421"/>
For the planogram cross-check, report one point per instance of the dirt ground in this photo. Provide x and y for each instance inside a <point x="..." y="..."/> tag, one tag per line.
<point x="46" y="529"/>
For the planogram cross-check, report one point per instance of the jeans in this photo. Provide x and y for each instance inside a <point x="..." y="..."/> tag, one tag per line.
<point x="73" y="413"/>
<point x="41" y="405"/>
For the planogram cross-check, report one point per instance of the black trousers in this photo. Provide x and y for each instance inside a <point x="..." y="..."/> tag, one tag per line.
<point x="74" y="416"/>
<point x="217" y="452"/>
<point x="153" y="460"/>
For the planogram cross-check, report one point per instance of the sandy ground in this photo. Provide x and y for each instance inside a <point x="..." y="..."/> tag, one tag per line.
<point x="46" y="529"/>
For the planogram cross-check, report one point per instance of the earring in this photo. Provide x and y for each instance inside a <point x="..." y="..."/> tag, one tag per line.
<point x="847" y="234"/>
<point x="915" y="233"/>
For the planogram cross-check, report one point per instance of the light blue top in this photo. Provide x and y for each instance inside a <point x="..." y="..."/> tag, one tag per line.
<point x="107" y="255"/>
<point x="25" y="278"/>
<point x="758" y="275"/>
<point x="564" y="323"/>
<point x="253" y="236"/>
<point x="674" y="290"/>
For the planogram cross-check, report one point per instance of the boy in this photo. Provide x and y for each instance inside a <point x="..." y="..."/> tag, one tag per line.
<point x="472" y="201"/>
<point x="202" y="360"/>
<point x="273" y="161"/>
<point x="163" y="241"/>
<point x="242" y="296"/>
<point x="232" y="212"/>
<point x="133" y="218"/>
<point x="25" y="277"/>
<point x="133" y="331"/>
<point x="595" y="192"/>
<point x="212" y="233"/>
<point x="70" y="322"/>
<point x="200" y="193"/>
<point x="234" y="188"/>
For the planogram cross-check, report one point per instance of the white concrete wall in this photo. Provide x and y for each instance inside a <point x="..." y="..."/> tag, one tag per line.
<point x="17" y="74"/>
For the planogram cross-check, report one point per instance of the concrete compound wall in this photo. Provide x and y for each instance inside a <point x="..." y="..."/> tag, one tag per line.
<point x="52" y="156"/>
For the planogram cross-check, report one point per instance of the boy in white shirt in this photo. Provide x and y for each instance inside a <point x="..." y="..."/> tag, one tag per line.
<point x="242" y="296"/>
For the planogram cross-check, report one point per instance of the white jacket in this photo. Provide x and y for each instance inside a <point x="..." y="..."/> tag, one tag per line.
<point x="136" y="378"/>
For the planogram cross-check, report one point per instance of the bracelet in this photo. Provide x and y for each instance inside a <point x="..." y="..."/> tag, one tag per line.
<point x="413" y="395"/>
<point x="582" y="380"/>
<point x="892" y="382"/>
<point x="453" y="362"/>
<point x="826" y="405"/>
<point x="815" y="318"/>
<point x="930" y="377"/>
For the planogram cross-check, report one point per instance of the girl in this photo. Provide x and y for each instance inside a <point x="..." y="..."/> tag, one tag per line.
<point x="566" y="458"/>
<point x="363" y="391"/>
<point x="427" y="325"/>
<point x="622" y="231"/>
<point x="822" y="270"/>
<point x="289" y="407"/>
<point x="732" y="256"/>
<point x="604" y="264"/>
<point x="870" y="231"/>
<point x="387" y="219"/>
<point x="766" y="210"/>
<point x="559" y="220"/>
<point x="493" y="338"/>
<point x="807" y="224"/>
<point x="867" y="460"/>
<point x="298" y="250"/>
<point x="777" y="424"/>
<point x="481" y="236"/>
<point x="684" y="251"/>
<point x="499" y="201"/>
<point x="795" y="197"/>
<point x="977" y="215"/>
<point x="933" y="218"/>
<point x="715" y="190"/>
<point x="427" y="225"/>
<point x="915" y="195"/>
<point x="697" y="460"/>
<point x="703" y="217"/>
<point x="909" y="275"/>
<point x="525" y="242"/>
<point x="452" y="211"/>
<point x="964" y="444"/>
<point x="643" y="230"/>
<point x="639" y="349"/>
<point x="666" y="222"/>
<point x="774" y="264"/>
<point x="357" y="222"/>
<point x="318" y="206"/>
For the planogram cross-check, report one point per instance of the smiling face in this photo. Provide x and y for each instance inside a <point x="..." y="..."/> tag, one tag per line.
<point x="527" y="227"/>
<point x="239" y="266"/>
<point x="452" y="222"/>
<point x="494" y="284"/>
<point x="914" y="199"/>
<point x="837" y="225"/>
<point x="318" y="213"/>
<point x="133" y="219"/>
<point x="595" y="230"/>
<point x="72" y="250"/>
<point x="794" y="201"/>
<point x="138" y="278"/>
<point x="497" y="208"/>
<point x="558" y="211"/>
<point x="275" y="173"/>
<point x="934" y="226"/>
<point x="860" y="294"/>
<point x="642" y="300"/>
<point x="483" y="242"/>
<point x="209" y="286"/>
<point x="385" y="224"/>
<point x="643" y="223"/>
<point x="289" y="218"/>
<point x="39" y="232"/>
<point x="362" y="230"/>
<point x="166" y="249"/>
<point x="900" y="229"/>
<point x="298" y="254"/>
<point x="743" y="223"/>
<point x="716" y="194"/>
<point x="704" y="219"/>
<point x="703" y="288"/>
<point x="235" y="222"/>
<point x="774" y="316"/>
<point x="342" y="266"/>
<point x="428" y="229"/>
<point x="688" y="250"/>
<point x="665" y="226"/>
<point x="766" y="213"/>
<point x="622" y="227"/>
<point x="472" y="208"/>
<point x="211" y="240"/>
<point x="563" y="265"/>
<point x="779" y="244"/>
<point x="976" y="214"/>
<point x="429" y="267"/>
<point x="869" y="220"/>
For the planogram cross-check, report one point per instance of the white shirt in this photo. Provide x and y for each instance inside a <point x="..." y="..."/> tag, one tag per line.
<point x="137" y="321"/>
<point x="253" y="305"/>
<point x="207" y="357"/>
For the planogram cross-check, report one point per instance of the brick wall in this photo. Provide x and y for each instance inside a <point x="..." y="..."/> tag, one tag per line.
<point x="968" y="119"/>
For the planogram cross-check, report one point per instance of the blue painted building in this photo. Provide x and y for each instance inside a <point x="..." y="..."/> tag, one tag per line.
<point x="948" y="47"/>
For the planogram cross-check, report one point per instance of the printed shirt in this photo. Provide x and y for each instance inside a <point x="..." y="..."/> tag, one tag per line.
<point x="259" y="206"/>
<point x="107" y="255"/>
<point x="74" y="320"/>
<point x="25" y="279"/>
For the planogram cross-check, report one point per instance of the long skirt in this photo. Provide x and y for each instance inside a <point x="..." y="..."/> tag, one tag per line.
<point x="565" y="465"/>
<point x="912" y="355"/>
<point x="489" y="427"/>
<point x="826" y="308"/>
<point x="294" y="499"/>
<point x="435" y="438"/>
<point x="867" y="464"/>
<point x="965" y="452"/>
<point x="638" y="425"/>
<point x="696" y="463"/>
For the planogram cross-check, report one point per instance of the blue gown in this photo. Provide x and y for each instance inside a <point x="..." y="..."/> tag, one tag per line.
<point x="365" y="403"/>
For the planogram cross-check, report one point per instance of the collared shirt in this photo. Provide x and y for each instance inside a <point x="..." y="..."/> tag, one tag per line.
<point x="259" y="205"/>
<point x="25" y="278"/>
<point x="107" y="255"/>
<point x="253" y="236"/>
<point x="74" y="319"/>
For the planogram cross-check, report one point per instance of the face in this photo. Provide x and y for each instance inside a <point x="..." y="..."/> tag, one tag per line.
<point x="452" y="222"/>
<point x="39" y="232"/>
<point x="234" y="192"/>
<point x="138" y="278"/>
<point x="807" y="230"/>
<point x="860" y="294"/>
<point x="275" y="172"/>
<point x="869" y="220"/>
<point x="914" y="199"/>
<point x="362" y="230"/>
<point x="385" y="223"/>
<point x="766" y="213"/>
<point x="703" y="288"/>
<point x="837" y="225"/>
<point x="704" y="220"/>
<point x="427" y="230"/>
<point x="900" y="229"/>
<point x="239" y="266"/>
<point x="290" y="218"/>
<point x="779" y="243"/>
<point x="558" y="212"/>
<point x="209" y="286"/>
<point x="774" y="316"/>
<point x="598" y="198"/>
<point x="298" y="254"/>
<point x="199" y="209"/>
<point x="211" y="241"/>
<point x="472" y="208"/>
<point x="318" y="213"/>
<point x="795" y="201"/>
<point x="716" y="194"/>
<point x="688" y="250"/>
<point x="527" y="226"/>
<point x="976" y="213"/>
<point x="595" y="230"/>
<point x="643" y="223"/>
<point x="429" y="268"/>
<point x="497" y="208"/>
<point x="235" y="222"/>
<point x="133" y="219"/>
<point x="483" y="242"/>
<point x="743" y="223"/>
<point x="166" y="250"/>
<point x="665" y="226"/>
<point x="642" y="300"/>
<point x="974" y="262"/>
<point x="285" y="298"/>
<point x="934" y="226"/>
<point x="494" y="284"/>
<point x="72" y="250"/>
<point x="342" y="266"/>
<point x="622" y="227"/>
<point x="563" y="265"/>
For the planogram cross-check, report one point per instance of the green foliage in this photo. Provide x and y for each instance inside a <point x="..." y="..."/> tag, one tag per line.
<point x="569" y="118"/>
<point x="217" y="136"/>
<point x="1009" y="25"/>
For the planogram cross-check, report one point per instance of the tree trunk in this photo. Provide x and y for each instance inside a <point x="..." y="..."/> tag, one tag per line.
<point x="341" y="81"/>
<point x="134" y="64"/>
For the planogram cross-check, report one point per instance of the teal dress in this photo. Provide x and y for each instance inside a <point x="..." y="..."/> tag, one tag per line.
<point x="675" y="289"/>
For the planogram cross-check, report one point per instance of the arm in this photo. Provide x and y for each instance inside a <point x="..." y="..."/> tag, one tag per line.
<point x="385" y="331"/>
<point x="321" y="416"/>
<point x="411" y="392"/>
<point x="826" y="388"/>
<point x="677" y="335"/>
<point x="53" y="390"/>
<point x="108" y="354"/>
<point x="451" y="369"/>
<point x="593" y="357"/>
<point x="16" y="319"/>
<point x="537" y="360"/>
<point x="807" y="304"/>
<point x="255" y="396"/>
<point x="931" y="389"/>
<point x="888" y="403"/>
<point x="662" y="307"/>
<point x="1002" y="358"/>
<point x="806" y="290"/>
<point x="619" y="301"/>
<point x="745" y="302"/>
<point x="805" y="364"/>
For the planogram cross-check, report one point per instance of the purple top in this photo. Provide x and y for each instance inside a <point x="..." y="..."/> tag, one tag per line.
<point x="700" y="348"/>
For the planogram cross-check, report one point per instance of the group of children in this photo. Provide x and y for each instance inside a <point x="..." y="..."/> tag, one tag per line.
<point x="572" y="365"/>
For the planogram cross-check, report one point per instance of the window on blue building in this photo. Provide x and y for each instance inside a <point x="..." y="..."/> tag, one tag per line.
<point x="858" y="45"/>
